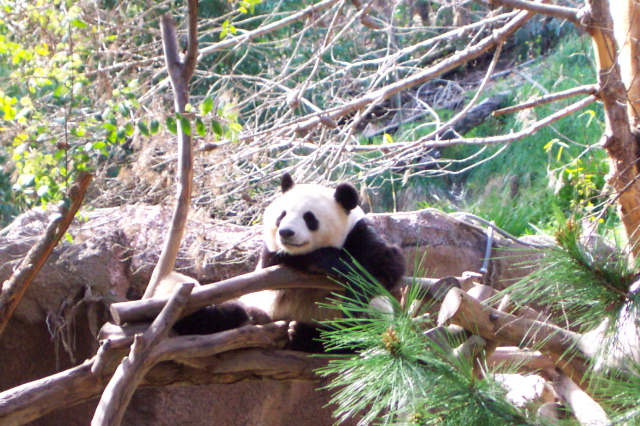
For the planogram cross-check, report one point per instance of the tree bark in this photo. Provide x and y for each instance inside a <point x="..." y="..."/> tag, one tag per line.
<point x="180" y="73"/>
<point x="222" y="363"/>
<point x="560" y="345"/>
<point x="15" y="287"/>
<point x="115" y="398"/>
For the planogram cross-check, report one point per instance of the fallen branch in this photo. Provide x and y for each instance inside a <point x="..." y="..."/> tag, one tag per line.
<point x="14" y="288"/>
<point x="115" y="398"/>
<point x="560" y="345"/>
<point x="30" y="401"/>
<point x="271" y="278"/>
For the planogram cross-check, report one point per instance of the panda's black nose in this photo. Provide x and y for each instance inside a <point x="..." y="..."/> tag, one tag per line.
<point x="286" y="233"/>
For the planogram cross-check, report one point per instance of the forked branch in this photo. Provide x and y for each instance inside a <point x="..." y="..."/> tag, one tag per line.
<point x="180" y="73"/>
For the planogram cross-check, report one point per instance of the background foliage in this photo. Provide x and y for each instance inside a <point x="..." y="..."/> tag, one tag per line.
<point x="83" y="87"/>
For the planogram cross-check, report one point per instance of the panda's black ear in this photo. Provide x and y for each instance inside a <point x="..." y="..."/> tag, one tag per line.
<point x="286" y="183"/>
<point x="347" y="196"/>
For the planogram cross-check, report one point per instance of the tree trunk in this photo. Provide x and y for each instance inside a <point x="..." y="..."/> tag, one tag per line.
<point x="619" y="140"/>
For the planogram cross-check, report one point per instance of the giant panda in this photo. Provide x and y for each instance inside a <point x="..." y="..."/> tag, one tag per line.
<point x="314" y="229"/>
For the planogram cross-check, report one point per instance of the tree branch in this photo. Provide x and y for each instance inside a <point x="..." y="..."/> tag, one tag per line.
<point x="560" y="345"/>
<point x="14" y="288"/>
<point x="497" y="37"/>
<point x="590" y="89"/>
<point x="271" y="278"/>
<point x="263" y="279"/>
<point x="115" y="398"/>
<point x="180" y="74"/>
<point x="569" y="13"/>
<point x="30" y="401"/>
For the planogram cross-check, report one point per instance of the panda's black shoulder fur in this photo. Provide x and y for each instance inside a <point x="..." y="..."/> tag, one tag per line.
<point x="383" y="261"/>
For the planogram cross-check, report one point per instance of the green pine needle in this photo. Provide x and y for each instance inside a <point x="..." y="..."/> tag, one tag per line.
<point x="399" y="376"/>
<point x="577" y="284"/>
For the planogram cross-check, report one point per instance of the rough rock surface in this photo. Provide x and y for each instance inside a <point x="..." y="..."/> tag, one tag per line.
<point x="110" y="258"/>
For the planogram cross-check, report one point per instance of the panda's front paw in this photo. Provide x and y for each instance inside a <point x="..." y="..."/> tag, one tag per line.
<point x="304" y="337"/>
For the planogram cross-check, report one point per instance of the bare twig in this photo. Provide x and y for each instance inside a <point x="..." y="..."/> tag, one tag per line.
<point x="499" y="36"/>
<point x="571" y="14"/>
<point x="589" y="89"/>
<point x="517" y="135"/>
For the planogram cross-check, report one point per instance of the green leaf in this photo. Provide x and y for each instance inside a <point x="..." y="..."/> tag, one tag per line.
<point x="185" y="124"/>
<point x="42" y="190"/>
<point x="121" y="135"/>
<point x="79" y="23"/>
<point x="128" y="128"/>
<point x="155" y="126"/>
<point x="171" y="125"/>
<point x="124" y="110"/>
<point x="217" y="127"/>
<point x="206" y="106"/>
<point x="200" y="127"/>
<point x="143" y="128"/>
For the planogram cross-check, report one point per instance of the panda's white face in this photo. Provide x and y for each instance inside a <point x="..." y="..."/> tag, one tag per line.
<point x="306" y="218"/>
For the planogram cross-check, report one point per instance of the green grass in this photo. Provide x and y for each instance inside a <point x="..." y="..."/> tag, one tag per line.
<point x="557" y="169"/>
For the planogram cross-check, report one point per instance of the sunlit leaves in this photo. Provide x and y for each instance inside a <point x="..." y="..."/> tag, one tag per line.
<point x="217" y="127"/>
<point x="248" y="6"/>
<point x="144" y="130"/>
<point x="79" y="23"/>
<point x="227" y="28"/>
<point x="170" y="122"/>
<point x="206" y="106"/>
<point x="201" y="129"/>
<point x="185" y="124"/>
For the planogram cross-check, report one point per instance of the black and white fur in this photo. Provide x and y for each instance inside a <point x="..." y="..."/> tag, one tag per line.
<point x="314" y="229"/>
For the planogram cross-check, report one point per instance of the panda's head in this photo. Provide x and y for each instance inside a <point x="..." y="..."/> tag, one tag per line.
<point x="308" y="217"/>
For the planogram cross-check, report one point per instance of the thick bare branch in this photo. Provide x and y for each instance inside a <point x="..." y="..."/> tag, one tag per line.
<point x="115" y="398"/>
<point x="274" y="277"/>
<point x="32" y="400"/>
<point x="587" y="411"/>
<point x="560" y="345"/>
<point x="619" y="142"/>
<point x="14" y="288"/>
<point x="180" y="73"/>
<point x="268" y="278"/>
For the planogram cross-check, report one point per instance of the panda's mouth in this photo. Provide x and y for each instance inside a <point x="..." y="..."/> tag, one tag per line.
<point x="292" y="244"/>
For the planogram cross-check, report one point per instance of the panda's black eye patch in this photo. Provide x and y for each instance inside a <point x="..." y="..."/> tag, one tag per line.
<point x="311" y="221"/>
<point x="279" y="219"/>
